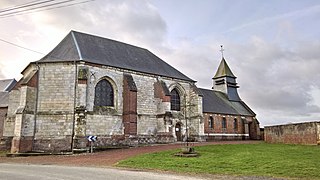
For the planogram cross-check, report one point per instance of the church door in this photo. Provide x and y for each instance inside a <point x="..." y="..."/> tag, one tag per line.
<point x="178" y="132"/>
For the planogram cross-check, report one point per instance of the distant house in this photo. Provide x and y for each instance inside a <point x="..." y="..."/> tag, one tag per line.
<point x="5" y="87"/>
<point x="124" y="95"/>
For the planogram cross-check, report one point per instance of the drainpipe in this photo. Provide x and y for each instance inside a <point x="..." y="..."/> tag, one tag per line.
<point x="36" y="108"/>
<point x="74" y="105"/>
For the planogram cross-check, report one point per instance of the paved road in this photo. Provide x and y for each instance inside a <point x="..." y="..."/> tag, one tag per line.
<point x="53" y="172"/>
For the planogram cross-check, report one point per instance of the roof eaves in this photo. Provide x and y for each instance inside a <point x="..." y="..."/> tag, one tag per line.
<point x="248" y="108"/>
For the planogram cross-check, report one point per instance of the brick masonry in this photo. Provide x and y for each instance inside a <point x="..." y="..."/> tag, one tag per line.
<point x="246" y="127"/>
<point x="300" y="133"/>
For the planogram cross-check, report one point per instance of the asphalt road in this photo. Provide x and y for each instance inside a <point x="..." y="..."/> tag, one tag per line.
<point x="53" y="172"/>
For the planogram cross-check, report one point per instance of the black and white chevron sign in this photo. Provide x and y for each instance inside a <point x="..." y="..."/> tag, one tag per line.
<point x="92" y="138"/>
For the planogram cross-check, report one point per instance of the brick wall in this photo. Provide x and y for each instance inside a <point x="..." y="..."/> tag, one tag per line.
<point x="300" y="133"/>
<point x="228" y="133"/>
<point x="129" y="105"/>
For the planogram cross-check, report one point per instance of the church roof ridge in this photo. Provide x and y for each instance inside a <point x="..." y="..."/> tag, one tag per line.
<point x="100" y="50"/>
<point x="224" y="70"/>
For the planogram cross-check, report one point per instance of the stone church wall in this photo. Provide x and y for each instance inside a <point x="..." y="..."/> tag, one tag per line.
<point x="60" y="114"/>
<point x="14" y="102"/>
<point x="55" y="106"/>
<point x="3" y="114"/>
<point x="148" y="106"/>
<point x="56" y="88"/>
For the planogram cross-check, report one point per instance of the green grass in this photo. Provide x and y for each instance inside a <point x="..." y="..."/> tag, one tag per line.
<point x="275" y="160"/>
<point x="3" y="153"/>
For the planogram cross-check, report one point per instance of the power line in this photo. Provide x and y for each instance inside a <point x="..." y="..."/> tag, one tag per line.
<point x="31" y="49"/>
<point x="15" y="6"/>
<point x="57" y="7"/>
<point x="32" y="3"/>
<point x="21" y="47"/>
<point x="34" y="8"/>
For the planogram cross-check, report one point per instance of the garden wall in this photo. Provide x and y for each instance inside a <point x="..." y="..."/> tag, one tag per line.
<point x="299" y="133"/>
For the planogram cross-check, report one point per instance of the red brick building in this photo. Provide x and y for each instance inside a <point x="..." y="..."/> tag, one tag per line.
<point x="226" y="116"/>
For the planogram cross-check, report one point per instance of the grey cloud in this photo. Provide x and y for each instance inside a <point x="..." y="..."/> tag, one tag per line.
<point x="136" y="22"/>
<point x="1" y="75"/>
<point x="133" y="22"/>
<point x="280" y="79"/>
<point x="195" y="61"/>
<point x="272" y="78"/>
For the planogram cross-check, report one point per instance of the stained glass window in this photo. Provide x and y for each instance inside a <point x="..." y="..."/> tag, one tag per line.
<point x="175" y="100"/>
<point x="103" y="94"/>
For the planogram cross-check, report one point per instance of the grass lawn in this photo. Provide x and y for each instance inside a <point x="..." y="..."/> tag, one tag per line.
<point x="275" y="160"/>
<point x="3" y="153"/>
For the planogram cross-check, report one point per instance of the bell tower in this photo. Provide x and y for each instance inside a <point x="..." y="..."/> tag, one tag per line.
<point x="225" y="81"/>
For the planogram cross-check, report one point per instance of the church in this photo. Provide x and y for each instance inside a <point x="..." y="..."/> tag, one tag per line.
<point x="123" y="94"/>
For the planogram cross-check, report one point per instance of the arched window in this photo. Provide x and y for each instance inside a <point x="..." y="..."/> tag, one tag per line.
<point x="235" y="124"/>
<point x="175" y="100"/>
<point x="211" y="122"/>
<point x="224" y="123"/>
<point x="103" y="94"/>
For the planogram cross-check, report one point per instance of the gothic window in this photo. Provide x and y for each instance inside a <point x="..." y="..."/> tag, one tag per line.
<point x="175" y="100"/>
<point x="211" y="122"/>
<point x="235" y="124"/>
<point x="224" y="123"/>
<point x="103" y="94"/>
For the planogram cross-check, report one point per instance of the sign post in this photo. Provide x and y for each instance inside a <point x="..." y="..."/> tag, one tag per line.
<point x="91" y="139"/>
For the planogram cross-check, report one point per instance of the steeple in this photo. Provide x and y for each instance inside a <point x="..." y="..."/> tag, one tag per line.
<point x="224" y="70"/>
<point x="225" y="81"/>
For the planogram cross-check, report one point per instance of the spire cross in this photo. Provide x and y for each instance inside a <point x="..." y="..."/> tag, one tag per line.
<point x="221" y="50"/>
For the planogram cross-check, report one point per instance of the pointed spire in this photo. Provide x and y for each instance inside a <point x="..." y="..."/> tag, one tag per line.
<point x="224" y="70"/>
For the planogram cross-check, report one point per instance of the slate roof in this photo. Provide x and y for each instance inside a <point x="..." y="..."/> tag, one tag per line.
<point x="218" y="102"/>
<point x="223" y="70"/>
<point x="7" y="84"/>
<point x="4" y="99"/>
<point x="103" y="51"/>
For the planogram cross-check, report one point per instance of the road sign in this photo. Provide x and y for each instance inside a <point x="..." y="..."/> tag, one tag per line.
<point x="92" y="138"/>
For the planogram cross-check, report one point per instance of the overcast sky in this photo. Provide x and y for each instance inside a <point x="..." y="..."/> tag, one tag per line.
<point x="273" y="46"/>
